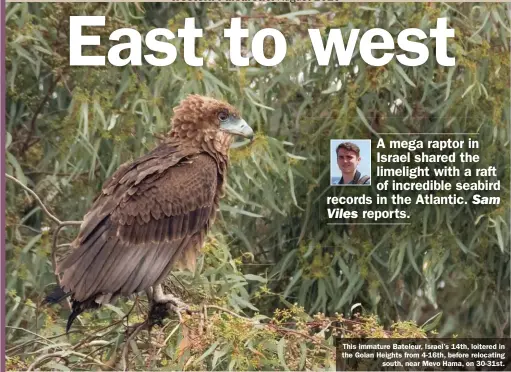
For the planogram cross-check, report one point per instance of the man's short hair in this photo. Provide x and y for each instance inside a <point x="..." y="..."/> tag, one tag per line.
<point x="350" y="146"/>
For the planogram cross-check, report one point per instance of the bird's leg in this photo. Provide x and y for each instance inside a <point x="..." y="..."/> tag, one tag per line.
<point x="149" y="293"/>
<point x="146" y="324"/>
<point x="162" y="298"/>
<point x="174" y="302"/>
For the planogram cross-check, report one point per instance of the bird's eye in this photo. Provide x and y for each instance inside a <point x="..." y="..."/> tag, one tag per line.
<point x="223" y="116"/>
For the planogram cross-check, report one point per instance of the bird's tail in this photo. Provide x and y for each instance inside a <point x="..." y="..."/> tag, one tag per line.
<point x="77" y="310"/>
<point x="58" y="294"/>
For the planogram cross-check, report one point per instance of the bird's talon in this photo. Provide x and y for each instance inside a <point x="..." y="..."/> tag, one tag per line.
<point x="181" y="308"/>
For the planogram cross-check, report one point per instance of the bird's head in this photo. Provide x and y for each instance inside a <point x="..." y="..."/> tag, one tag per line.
<point x="198" y="114"/>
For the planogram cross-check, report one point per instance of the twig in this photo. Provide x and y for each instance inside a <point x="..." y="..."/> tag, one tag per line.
<point x="29" y="228"/>
<point x="61" y="174"/>
<point x="42" y="358"/>
<point x="31" y="192"/>
<point x="306" y="221"/>
<point x="38" y="110"/>
<point x="96" y="334"/>
<point x="56" y="45"/>
<point x="101" y="343"/>
<point x="26" y="343"/>
<point x="230" y="312"/>
<point x="60" y="223"/>
<point x="14" y="348"/>
<point x="63" y="354"/>
<point x="139" y="328"/>
<point x="327" y="326"/>
<point x="292" y="331"/>
<point x="28" y="331"/>
<point x="180" y="283"/>
<point x="168" y="337"/>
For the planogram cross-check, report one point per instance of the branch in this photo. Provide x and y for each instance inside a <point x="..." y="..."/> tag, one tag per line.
<point x="38" y="111"/>
<point x="56" y="45"/>
<point x="35" y="196"/>
<point x="96" y="333"/>
<point x="63" y="354"/>
<point x="229" y="312"/>
<point x="45" y="210"/>
<point x="125" y="360"/>
<point x="60" y="223"/>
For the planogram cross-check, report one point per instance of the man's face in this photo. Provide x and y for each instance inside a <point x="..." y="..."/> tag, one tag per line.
<point x="347" y="160"/>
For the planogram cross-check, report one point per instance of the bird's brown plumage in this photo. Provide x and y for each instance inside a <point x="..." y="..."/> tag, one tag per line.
<point x="153" y="213"/>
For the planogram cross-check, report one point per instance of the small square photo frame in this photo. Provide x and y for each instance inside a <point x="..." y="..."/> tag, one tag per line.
<point x="344" y="159"/>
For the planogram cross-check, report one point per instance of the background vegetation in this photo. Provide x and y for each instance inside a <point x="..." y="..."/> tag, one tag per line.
<point x="273" y="275"/>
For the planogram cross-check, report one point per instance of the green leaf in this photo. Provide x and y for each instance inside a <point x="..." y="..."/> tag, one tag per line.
<point x="293" y="15"/>
<point x="432" y="322"/>
<point x="255" y="278"/>
<point x="244" y="303"/>
<point x="449" y="81"/>
<point x="411" y="258"/>
<point x="498" y="231"/>
<point x="468" y="90"/>
<point x="303" y="355"/>
<point x="292" y="283"/>
<point x="214" y="79"/>
<point x="57" y="366"/>
<point x="364" y="120"/>
<point x="349" y="292"/>
<point x="18" y="171"/>
<point x="207" y="352"/>
<point x="115" y="309"/>
<point x="23" y="53"/>
<point x="218" y="354"/>
<point x="227" y="208"/>
<point x="399" y="263"/>
<point x="8" y="140"/>
<point x="31" y="243"/>
<point x="403" y="74"/>
<point x="280" y="352"/>
<point x="296" y="157"/>
<point x="292" y="187"/>
<point x="14" y="9"/>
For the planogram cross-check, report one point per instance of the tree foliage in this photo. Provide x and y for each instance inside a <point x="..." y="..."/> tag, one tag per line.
<point x="69" y="128"/>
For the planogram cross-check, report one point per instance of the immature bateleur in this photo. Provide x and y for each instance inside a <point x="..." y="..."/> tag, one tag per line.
<point x="153" y="214"/>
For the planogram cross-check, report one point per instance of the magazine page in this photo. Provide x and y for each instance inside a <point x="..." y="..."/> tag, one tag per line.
<point x="258" y="185"/>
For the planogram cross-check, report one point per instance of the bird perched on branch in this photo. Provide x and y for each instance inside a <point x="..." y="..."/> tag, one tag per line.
<point x="153" y="214"/>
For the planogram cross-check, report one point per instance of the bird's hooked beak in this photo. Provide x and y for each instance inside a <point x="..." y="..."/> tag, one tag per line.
<point x="238" y="127"/>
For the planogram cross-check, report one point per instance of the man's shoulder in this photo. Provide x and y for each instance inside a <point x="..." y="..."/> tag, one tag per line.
<point x="364" y="180"/>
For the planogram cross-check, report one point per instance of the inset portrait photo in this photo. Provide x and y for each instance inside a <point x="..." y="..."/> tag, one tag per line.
<point x="350" y="162"/>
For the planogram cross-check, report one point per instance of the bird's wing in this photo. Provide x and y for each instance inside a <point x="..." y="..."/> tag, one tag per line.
<point x="150" y="216"/>
<point x="125" y="181"/>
